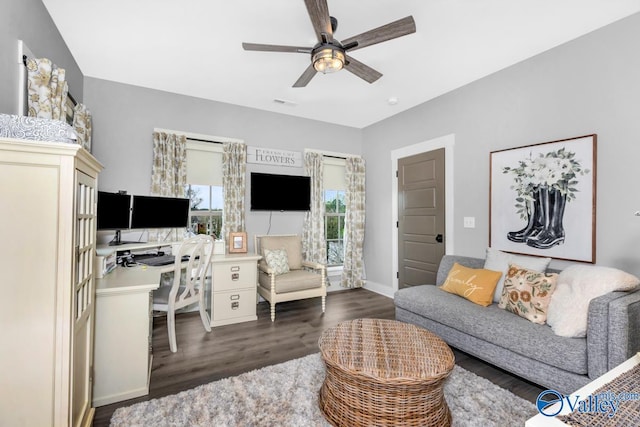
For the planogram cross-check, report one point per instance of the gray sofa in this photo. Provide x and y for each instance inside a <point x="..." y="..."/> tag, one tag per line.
<point x="529" y="350"/>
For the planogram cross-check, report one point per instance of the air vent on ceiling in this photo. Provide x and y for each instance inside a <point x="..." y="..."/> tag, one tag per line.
<point x="285" y="102"/>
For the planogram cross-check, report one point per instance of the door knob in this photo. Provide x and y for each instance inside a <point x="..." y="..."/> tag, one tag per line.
<point x="439" y="238"/>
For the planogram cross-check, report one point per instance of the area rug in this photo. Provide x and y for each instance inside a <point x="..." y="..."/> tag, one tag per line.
<point x="286" y="395"/>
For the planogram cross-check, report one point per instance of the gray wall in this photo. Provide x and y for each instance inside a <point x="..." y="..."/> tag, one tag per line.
<point x="590" y="85"/>
<point x="29" y="21"/>
<point x="124" y="118"/>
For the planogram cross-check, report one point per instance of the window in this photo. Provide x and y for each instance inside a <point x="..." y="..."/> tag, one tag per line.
<point x="204" y="187"/>
<point x="334" y="226"/>
<point x="335" y="209"/>
<point x="206" y="208"/>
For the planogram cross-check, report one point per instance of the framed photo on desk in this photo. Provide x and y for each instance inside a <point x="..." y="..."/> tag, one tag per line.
<point x="238" y="242"/>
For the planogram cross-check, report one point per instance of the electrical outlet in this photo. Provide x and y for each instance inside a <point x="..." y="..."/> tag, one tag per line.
<point x="469" y="222"/>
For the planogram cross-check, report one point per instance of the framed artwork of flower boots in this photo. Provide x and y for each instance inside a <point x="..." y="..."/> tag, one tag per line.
<point x="543" y="199"/>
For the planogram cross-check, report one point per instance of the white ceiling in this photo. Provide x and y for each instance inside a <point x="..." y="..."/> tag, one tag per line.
<point x="193" y="47"/>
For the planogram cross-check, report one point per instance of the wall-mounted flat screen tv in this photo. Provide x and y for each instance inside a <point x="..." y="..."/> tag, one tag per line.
<point x="270" y="192"/>
<point x="113" y="211"/>
<point x="159" y="212"/>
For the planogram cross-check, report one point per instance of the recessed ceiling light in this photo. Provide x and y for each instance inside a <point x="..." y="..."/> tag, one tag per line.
<point x="392" y="101"/>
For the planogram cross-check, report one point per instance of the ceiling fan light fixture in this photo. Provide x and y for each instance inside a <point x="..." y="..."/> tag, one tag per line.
<point x="328" y="59"/>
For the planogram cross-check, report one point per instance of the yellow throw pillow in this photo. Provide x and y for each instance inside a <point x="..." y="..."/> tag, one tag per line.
<point x="475" y="284"/>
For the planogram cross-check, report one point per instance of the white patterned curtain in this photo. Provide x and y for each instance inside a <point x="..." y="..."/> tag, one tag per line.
<point x="168" y="175"/>
<point x="82" y="125"/>
<point x="353" y="268"/>
<point x="234" y="168"/>
<point x="314" y="246"/>
<point x="47" y="89"/>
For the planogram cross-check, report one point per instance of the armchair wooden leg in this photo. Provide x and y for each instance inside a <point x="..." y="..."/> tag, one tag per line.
<point x="273" y="312"/>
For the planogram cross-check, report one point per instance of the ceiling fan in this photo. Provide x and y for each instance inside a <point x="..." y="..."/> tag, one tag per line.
<point x="330" y="55"/>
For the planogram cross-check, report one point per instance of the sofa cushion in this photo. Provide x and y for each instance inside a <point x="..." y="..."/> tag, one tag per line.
<point x="527" y="293"/>
<point x="294" y="280"/>
<point x="475" y="284"/>
<point x="277" y="260"/>
<point x="496" y="326"/>
<point x="291" y="244"/>
<point x="499" y="261"/>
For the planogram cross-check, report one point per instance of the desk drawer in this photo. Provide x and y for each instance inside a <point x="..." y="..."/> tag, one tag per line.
<point x="233" y="304"/>
<point x="229" y="276"/>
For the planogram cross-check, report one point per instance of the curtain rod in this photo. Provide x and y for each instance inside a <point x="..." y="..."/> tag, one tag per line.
<point x="205" y="140"/>
<point x="332" y="154"/>
<point x="199" y="136"/>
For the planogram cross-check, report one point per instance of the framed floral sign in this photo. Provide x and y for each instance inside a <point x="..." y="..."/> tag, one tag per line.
<point x="543" y="199"/>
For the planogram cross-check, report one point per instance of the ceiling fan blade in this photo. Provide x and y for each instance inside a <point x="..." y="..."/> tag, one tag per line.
<point x="319" y="13"/>
<point x="275" y="48"/>
<point x="393" y="30"/>
<point x="361" y="70"/>
<point x="306" y="77"/>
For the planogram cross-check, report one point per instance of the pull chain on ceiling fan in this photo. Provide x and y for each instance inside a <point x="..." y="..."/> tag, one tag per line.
<point x="330" y="55"/>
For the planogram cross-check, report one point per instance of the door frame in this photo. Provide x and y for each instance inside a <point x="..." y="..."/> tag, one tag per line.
<point x="447" y="142"/>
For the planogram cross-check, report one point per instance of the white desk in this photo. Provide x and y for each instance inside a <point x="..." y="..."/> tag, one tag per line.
<point x="122" y="349"/>
<point x="124" y="320"/>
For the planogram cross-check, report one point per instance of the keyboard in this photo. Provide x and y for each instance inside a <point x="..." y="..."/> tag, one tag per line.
<point x="155" y="261"/>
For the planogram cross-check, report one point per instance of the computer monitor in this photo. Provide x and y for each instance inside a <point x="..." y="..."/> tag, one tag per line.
<point x="114" y="211"/>
<point x="159" y="212"/>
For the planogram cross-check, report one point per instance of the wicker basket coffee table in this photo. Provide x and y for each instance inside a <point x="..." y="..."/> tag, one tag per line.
<point x="384" y="373"/>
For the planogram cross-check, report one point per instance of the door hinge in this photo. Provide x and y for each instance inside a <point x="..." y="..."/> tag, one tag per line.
<point x="397" y="274"/>
<point x="396" y="174"/>
<point x="397" y="224"/>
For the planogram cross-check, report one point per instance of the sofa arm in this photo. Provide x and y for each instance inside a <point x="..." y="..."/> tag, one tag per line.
<point x="313" y="265"/>
<point x="613" y="320"/>
<point x="263" y="266"/>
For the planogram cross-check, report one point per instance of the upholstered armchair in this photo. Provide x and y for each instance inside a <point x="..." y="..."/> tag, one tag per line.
<point x="282" y="273"/>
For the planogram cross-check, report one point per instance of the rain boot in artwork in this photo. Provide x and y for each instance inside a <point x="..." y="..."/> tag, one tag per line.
<point x="534" y="222"/>
<point x="552" y="203"/>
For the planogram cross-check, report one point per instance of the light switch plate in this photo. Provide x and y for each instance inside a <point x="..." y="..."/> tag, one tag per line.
<point x="469" y="222"/>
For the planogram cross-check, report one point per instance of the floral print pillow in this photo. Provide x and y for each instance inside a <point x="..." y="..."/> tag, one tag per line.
<point x="277" y="260"/>
<point x="527" y="293"/>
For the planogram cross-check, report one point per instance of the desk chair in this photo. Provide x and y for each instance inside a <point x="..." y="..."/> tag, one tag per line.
<point x="186" y="289"/>
<point x="290" y="278"/>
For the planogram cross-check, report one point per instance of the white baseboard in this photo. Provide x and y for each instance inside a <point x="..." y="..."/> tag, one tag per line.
<point x="379" y="288"/>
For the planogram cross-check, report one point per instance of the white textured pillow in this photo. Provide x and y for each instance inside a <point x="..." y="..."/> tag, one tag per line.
<point x="577" y="286"/>
<point x="277" y="260"/>
<point x="499" y="261"/>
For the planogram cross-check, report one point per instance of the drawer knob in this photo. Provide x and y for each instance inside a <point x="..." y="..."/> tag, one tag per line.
<point x="235" y="276"/>
<point x="235" y="305"/>
<point x="235" y="297"/>
<point x="235" y="268"/>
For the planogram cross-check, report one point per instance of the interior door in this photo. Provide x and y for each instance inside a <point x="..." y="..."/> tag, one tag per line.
<point x="421" y="217"/>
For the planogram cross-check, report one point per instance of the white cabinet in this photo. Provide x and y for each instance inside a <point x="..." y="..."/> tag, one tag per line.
<point x="47" y="224"/>
<point x="234" y="296"/>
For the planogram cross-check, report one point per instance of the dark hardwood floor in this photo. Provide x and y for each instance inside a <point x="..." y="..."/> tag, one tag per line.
<point x="231" y="350"/>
